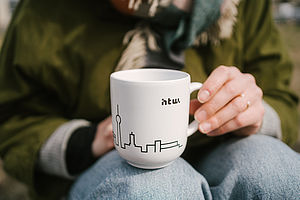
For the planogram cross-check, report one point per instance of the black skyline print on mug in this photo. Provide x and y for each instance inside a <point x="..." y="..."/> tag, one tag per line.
<point x="157" y="145"/>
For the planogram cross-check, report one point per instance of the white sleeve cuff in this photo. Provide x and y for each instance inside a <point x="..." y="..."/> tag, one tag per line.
<point x="52" y="158"/>
<point x="271" y="123"/>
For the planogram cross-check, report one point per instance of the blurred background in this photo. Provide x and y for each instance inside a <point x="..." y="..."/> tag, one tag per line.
<point x="286" y="16"/>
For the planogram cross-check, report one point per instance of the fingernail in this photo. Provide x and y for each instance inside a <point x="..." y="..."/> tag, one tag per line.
<point x="200" y="116"/>
<point x="203" y="96"/>
<point x="205" y="127"/>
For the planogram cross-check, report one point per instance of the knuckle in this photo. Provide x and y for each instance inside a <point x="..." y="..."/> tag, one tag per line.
<point x="228" y="70"/>
<point x="259" y="92"/>
<point x="238" y="105"/>
<point x="250" y="77"/>
<point x="222" y="68"/>
<point x="234" y="70"/>
<point x="215" y="122"/>
<point x="211" y="108"/>
<point x="230" y="88"/>
<point x="238" y="121"/>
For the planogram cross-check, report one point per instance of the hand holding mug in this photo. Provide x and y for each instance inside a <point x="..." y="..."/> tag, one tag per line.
<point x="228" y="101"/>
<point x="103" y="141"/>
<point x="150" y="115"/>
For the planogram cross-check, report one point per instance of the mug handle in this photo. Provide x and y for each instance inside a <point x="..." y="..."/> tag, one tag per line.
<point x="193" y="127"/>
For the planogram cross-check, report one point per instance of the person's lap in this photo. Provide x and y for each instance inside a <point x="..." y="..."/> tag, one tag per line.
<point x="255" y="167"/>
<point x="112" y="178"/>
<point x="246" y="168"/>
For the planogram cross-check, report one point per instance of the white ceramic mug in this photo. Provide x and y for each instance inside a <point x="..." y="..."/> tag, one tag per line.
<point x="150" y="115"/>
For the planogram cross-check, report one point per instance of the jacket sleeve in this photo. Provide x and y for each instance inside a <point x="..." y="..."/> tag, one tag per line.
<point x="266" y="58"/>
<point x="33" y="101"/>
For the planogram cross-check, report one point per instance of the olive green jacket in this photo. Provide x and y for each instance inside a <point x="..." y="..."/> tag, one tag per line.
<point x="57" y="57"/>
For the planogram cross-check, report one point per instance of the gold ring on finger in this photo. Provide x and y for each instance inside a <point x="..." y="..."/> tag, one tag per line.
<point x="248" y="104"/>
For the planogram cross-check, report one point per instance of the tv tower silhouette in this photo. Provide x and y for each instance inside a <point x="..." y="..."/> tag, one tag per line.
<point x="118" y="138"/>
<point x="157" y="145"/>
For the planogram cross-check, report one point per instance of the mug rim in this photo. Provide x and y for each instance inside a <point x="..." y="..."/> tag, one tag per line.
<point x="126" y="75"/>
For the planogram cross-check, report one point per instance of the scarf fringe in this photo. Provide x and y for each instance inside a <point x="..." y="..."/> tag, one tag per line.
<point x="223" y="27"/>
<point x="137" y="41"/>
<point x="154" y="4"/>
<point x="142" y="37"/>
<point x="228" y="18"/>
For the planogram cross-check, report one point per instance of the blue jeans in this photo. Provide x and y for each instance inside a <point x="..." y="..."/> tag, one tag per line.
<point x="254" y="167"/>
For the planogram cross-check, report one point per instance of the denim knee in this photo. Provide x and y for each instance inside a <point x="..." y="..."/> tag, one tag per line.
<point x="253" y="167"/>
<point x="270" y="169"/>
<point x="112" y="178"/>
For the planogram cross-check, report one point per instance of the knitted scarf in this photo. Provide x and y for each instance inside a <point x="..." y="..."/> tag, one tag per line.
<point x="165" y="31"/>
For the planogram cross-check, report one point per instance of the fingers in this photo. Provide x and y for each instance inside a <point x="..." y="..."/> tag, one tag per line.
<point x="107" y="130"/>
<point x="225" y="94"/>
<point x="105" y="127"/>
<point x="215" y="81"/>
<point x="236" y="106"/>
<point x="103" y="140"/>
<point x="247" y="122"/>
<point x="228" y="96"/>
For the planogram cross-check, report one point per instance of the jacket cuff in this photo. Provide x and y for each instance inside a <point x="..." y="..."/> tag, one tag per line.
<point x="271" y="123"/>
<point x="79" y="155"/>
<point x="53" y="152"/>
